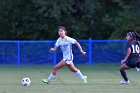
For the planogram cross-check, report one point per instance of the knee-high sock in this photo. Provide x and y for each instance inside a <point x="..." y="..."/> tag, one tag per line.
<point x="51" y="77"/>
<point x="79" y="74"/>
<point x="123" y="73"/>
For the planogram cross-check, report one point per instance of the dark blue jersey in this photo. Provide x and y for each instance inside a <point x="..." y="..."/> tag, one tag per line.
<point x="135" y="50"/>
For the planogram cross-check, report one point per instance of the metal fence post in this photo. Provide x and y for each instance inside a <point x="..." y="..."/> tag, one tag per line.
<point x="18" y="52"/>
<point x="90" y="51"/>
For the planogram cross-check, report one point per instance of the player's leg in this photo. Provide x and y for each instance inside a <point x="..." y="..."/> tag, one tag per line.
<point x="138" y="66"/>
<point x="124" y="67"/>
<point x="61" y="64"/>
<point x="72" y="67"/>
<point x="77" y="72"/>
<point x="138" y="69"/>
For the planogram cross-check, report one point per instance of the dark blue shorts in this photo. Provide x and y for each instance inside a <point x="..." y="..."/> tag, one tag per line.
<point x="132" y="63"/>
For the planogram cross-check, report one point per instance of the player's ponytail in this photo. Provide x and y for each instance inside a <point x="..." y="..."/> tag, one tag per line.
<point x="137" y="36"/>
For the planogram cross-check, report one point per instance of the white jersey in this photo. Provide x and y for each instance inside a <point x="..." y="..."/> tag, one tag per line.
<point x="66" y="47"/>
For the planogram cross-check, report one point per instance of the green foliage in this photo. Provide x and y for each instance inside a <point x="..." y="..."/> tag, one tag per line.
<point x="39" y="19"/>
<point x="127" y="20"/>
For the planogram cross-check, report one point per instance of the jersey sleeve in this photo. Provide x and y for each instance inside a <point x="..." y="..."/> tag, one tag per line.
<point x="57" y="42"/>
<point x="71" y="40"/>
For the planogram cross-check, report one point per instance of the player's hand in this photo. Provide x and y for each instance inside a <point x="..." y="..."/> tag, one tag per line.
<point x="122" y="61"/>
<point x="52" y="49"/>
<point x="83" y="52"/>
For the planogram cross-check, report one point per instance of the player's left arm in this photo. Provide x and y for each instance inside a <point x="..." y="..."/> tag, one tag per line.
<point x="80" y="48"/>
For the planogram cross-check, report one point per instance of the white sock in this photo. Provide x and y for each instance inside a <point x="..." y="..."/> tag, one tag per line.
<point x="51" y="77"/>
<point x="79" y="74"/>
<point x="137" y="69"/>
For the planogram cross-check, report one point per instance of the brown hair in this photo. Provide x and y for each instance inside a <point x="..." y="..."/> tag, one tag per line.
<point x="62" y="27"/>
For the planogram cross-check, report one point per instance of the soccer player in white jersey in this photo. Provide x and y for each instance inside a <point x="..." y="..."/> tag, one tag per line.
<point x="65" y="44"/>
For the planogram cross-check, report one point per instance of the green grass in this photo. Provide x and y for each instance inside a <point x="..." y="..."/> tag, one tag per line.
<point x="101" y="79"/>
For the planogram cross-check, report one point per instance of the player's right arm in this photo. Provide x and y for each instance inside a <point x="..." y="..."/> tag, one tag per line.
<point x="53" y="49"/>
<point x="127" y="55"/>
<point x="56" y="45"/>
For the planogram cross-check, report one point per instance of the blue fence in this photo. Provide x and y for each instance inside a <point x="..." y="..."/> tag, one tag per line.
<point x="37" y="52"/>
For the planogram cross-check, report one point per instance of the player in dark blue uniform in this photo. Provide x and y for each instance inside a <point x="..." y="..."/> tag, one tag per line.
<point x="132" y="58"/>
<point x="138" y="37"/>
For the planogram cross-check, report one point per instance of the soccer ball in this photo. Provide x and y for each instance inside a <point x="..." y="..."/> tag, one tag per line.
<point x="26" y="81"/>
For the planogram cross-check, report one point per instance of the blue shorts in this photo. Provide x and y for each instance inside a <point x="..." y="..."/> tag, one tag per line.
<point x="131" y="65"/>
<point x="133" y="62"/>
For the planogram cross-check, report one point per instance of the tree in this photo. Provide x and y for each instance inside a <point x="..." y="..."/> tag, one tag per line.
<point x="39" y="19"/>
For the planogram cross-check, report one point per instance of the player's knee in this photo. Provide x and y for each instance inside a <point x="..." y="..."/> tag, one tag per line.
<point x="121" y="68"/>
<point x="124" y="67"/>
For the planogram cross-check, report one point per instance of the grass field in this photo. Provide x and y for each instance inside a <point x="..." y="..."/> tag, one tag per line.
<point x="101" y="79"/>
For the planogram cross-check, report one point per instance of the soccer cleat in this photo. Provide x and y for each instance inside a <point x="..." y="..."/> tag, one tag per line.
<point x="124" y="82"/>
<point x="46" y="81"/>
<point x="85" y="79"/>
